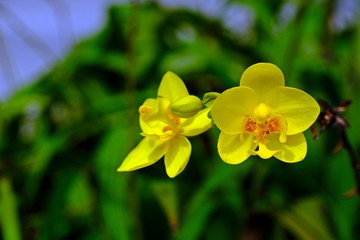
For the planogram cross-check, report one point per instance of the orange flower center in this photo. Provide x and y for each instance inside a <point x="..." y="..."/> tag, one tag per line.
<point x="171" y="127"/>
<point x="157" y="120"/>
<point x="274" y="124"/>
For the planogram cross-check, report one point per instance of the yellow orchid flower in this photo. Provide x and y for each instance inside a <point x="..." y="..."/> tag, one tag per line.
<point x="263" y="117"/>
<point x="165" y="134"/>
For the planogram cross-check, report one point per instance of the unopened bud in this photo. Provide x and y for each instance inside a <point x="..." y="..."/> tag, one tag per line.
<point x="187" y="106"/>
<point x="209" y="98"/>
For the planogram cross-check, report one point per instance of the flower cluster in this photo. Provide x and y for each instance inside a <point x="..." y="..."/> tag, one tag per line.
<point x="260" y="117"/>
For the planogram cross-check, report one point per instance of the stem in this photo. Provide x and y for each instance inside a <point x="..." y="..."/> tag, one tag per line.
<point x="8" y="212"/>
<point x="130" y="88"/>
<point x="355" y="162"/>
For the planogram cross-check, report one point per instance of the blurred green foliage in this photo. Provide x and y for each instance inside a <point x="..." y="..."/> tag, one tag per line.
<point x="63" y="137"/>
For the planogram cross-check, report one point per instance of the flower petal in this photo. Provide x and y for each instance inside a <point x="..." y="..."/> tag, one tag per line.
<point x="230" y="107"/>
<point x="298" y="108"/>
<point x="293" y="150"/>
<point x="197" y="124"/>
<point x="235" y="148"/>
<point x="261" y="77"/>
<point x="177" y="156"/>
<point x="172" y="87"/>
<point x="147" y="152"/>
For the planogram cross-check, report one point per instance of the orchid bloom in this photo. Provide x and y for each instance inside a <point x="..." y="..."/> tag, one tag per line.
<point x="165" y="134"/>
<point x="263" y="117"/>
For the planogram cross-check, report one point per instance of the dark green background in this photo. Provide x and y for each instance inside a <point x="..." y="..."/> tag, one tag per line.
<point x="63" y="137"/>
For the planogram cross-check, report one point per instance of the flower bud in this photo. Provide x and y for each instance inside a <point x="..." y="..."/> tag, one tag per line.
<point x="209" y="98"/>
<point x="186" y="106"/>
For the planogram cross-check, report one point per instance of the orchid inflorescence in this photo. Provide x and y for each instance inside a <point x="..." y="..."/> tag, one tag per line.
<point x="260" y="117"/>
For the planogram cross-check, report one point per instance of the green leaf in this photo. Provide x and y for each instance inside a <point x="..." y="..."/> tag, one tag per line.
<point x="306" y="220"/>
<point x="114" y="198"/>
<point x="165" y="192"/>
<point x="8" y="211"/>
<point x="194" y="225"/>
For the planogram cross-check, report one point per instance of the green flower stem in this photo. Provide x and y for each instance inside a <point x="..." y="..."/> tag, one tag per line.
<point x="8" y="215"/>
<point x="134" y="201"/>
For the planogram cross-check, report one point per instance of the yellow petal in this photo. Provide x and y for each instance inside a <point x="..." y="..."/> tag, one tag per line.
<point x="172" y="87"/>
<point x="196" y="125"/>
<point x="235" y="148"/>
<point x="230" y="107"/>
<point x="293" y="150"/>
<point x="262" y="77"/>
<point x="147" y="152"/>
<point x="177" y="156"/>
<point x="298" y="108"/>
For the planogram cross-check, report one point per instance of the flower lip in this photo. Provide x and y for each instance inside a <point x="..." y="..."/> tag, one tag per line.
<point x="274" y="124"/>
<point x="157" y="120"/>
